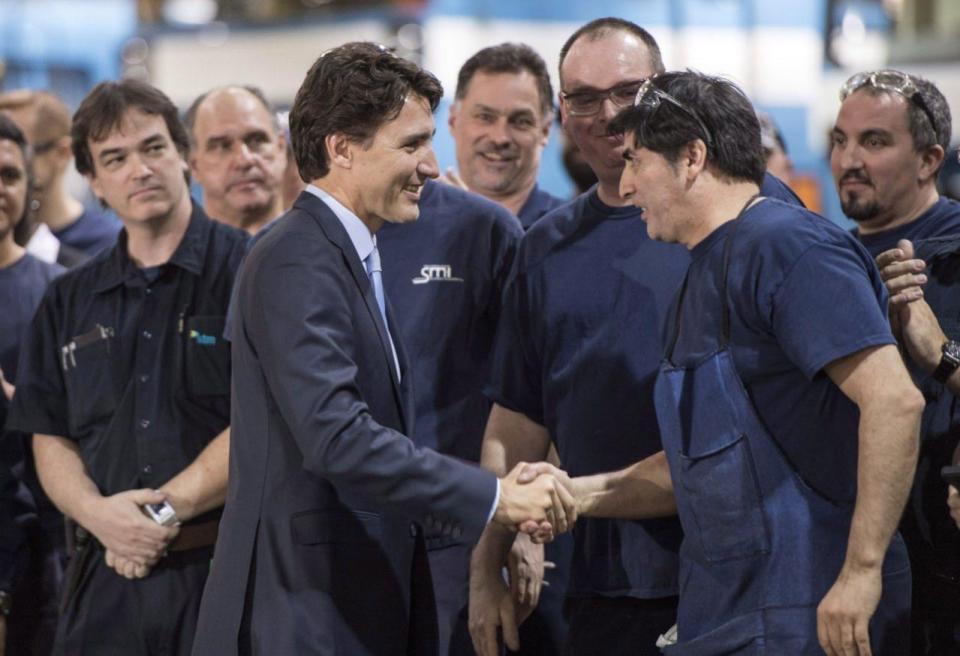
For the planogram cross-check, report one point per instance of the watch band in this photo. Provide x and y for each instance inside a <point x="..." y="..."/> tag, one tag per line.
<point x="949" y="361"/>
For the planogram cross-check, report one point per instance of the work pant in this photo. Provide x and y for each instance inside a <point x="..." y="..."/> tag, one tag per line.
<point x="617" y="626"/>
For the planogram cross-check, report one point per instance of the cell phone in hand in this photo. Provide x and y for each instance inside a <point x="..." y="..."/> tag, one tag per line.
<point x="951" y="476"/>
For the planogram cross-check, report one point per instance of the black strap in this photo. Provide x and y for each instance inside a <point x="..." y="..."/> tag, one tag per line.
<point x="725" y="309"/>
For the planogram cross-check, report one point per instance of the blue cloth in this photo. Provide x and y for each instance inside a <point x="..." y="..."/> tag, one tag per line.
<point x="537" y="204"/>
<point x="22" y="285"/>
<point x="941" y="220"/>
<point x="577" y="352"/>
<point x="774" y="187"/>
<point x="93" y="231"/>
<point x="766" y="507"/>
<point x="787" y="325"/>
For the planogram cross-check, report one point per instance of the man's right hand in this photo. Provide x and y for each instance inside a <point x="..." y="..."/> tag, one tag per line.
<point x="123" y="529"/>
<point x="902" y="274"/>
<point x="542" y="499"/>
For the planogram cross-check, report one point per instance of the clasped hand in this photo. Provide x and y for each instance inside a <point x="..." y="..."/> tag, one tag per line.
<point x="537" y="500"/>
<point x="132" y="541"/>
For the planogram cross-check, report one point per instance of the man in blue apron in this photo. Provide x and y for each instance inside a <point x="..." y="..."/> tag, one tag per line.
<point x="788" y="420"/>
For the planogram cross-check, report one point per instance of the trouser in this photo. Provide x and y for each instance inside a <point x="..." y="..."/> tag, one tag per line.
<point x="105" y="614"/>
<point x="33" y="622"/>
<point x="617" y="626"/>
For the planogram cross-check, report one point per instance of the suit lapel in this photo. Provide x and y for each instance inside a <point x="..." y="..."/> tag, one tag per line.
<point x="336" y="233"/>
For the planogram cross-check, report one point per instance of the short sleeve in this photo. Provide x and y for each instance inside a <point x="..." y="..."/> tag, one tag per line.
<point x="831" y="304"/>
<point x="40" y="402"/>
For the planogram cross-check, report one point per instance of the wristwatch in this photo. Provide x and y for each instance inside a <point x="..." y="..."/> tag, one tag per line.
<point x="948" y="362"/>
<point x="6" y="603"/>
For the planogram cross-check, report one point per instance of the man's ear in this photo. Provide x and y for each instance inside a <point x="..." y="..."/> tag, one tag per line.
<point x="930" y="162"/>
<point x="545" y="132"/>
<point x="694" y="158"/>
<point x="454" y="115"/>
<point x="63" y="152"/>
<point x="340" y="149"/>
<point x="95" y="186"/>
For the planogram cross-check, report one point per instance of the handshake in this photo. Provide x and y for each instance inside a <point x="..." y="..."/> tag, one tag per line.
<point x="537" y="499"/>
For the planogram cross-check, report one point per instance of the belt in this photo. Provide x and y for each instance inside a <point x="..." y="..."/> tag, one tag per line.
<point x="195" y="536"/>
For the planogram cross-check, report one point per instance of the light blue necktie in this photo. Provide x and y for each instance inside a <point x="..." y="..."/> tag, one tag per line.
<point x="375" y="273"/>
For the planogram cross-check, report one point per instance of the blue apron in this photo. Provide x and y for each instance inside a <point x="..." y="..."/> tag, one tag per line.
<point x="761" y="548"/>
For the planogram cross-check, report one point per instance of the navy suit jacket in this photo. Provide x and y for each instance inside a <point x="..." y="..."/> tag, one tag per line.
<point x="317" y="549"/>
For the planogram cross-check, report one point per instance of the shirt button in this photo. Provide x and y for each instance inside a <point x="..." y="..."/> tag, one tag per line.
<point x="144" y="378"/>
<point x="148" y="291"/>
<point x="144" y="423"/>
<point x="147" y="469"/>
<point x="147" y="334"/>
<point x="413" y="530"/>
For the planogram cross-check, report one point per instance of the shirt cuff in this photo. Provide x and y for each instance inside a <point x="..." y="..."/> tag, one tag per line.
<point x="496" y="501"/>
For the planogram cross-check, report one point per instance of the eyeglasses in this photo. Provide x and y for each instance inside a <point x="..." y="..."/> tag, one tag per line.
<point x="651" y="96"/>
<point x="889" y="80"/>
<point x="588" y="103"/>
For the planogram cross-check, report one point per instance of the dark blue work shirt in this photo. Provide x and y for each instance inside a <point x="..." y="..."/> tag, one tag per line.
<point x="135" y="371"/>
<point x="444" y="277"/>
<point x="577" y="352"/>
<point x="93" y="232"/>
<point x="22" y="285"/>
<point x="932" y="536"/>
<point x="788" y="268"/>
<point x="941" y="220"/>
<point x="537" y="204"/>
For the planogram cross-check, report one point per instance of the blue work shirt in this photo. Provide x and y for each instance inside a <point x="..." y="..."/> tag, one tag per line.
<point x="444" y="276"/>
<point x="577" y="352"/>
<point x="788" y="268"/>
<point x="942" y="219"/>
<point x="537" y="204"/>
<point x="93" y="231"/>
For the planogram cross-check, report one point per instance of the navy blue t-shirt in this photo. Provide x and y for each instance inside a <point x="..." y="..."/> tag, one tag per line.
<point x="537" y="204"/>
<point x="577" y="352"/>
<point x="22" y="285"/>
<point x="93" y="232"/>
<point x="443" y="276"/>
<point x="941" y="220"/>
<point x="788" y="269"/>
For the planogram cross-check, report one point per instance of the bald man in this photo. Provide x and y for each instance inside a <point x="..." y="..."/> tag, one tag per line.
<point x="238" y="155"/>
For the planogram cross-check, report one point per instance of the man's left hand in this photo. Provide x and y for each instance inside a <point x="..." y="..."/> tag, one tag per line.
<point x="843" y="617"/>
<point x="902" y="274"/>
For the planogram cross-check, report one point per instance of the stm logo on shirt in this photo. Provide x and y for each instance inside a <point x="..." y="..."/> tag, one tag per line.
<point x="435" y="273"/>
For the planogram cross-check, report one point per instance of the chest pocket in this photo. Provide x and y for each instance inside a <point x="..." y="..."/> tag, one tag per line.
<point x="206" y="356"/>
<point x="87" y="362"/>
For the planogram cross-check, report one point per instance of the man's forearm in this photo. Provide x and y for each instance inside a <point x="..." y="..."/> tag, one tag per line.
<point x="643" y="490"/>
<point x="64" y="477"/>
<point x="202" y="486"/>
<point x="887" y="461"/>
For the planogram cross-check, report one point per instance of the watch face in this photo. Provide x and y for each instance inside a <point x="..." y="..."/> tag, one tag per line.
<point x="951" y="349"/>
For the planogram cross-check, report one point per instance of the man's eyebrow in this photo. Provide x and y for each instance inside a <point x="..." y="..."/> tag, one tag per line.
<point x="152" y="139"/>
<point x="419" y="137"/>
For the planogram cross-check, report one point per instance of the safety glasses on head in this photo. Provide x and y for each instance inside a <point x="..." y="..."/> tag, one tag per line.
<point x="588" y="103"/>
<point x="650" y="96"/>
<point x="889" y="80"/>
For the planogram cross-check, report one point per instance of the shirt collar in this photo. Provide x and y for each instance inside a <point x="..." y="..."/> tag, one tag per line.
<point x="189" y="255"/>
<point x="363" y="242"/>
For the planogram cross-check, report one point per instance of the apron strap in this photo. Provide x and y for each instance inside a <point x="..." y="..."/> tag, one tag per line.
<point x="677" y="312"/>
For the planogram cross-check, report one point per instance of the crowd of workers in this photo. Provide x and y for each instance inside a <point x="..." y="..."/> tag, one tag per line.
<point x="340" y="406"/>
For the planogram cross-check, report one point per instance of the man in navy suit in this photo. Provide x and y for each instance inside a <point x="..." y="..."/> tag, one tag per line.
<point x="321" y="546"/>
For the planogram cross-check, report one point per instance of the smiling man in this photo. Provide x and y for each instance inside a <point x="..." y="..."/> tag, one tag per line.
<point x="500" y="123"/>
<point x="321" y="545"/>
<point x="127" y="405"/>
<point x="238" y="155"/>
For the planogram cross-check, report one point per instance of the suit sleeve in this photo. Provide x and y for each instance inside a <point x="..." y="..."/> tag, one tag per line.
<point x="299" y="320"/>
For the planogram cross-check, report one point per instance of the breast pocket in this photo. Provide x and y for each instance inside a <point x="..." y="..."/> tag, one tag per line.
<point x="207" y="357"/>
<point x="725" y="500"/>
<point x="87" y="361"/>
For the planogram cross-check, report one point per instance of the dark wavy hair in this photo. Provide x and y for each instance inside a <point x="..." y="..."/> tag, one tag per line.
<point x="352" y="90"/>
<point x="508" y="58"/>
<point x="734" y="150"/>
<point x="103" y="109"/>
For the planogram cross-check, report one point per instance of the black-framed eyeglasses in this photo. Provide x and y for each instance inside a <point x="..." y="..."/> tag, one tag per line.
<point x="588" y="103"/>
<point x="889" y="80"/>
<point x="651" y="96"/>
